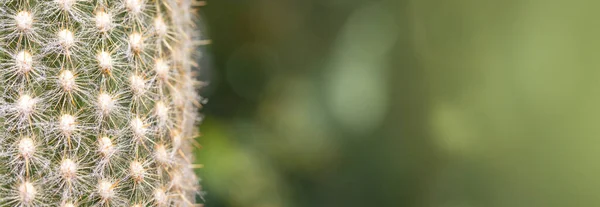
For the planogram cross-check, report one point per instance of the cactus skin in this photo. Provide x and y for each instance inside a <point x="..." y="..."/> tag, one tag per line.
<point x="99" y="103"/>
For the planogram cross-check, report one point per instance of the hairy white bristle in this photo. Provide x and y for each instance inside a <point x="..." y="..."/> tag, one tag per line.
<point x="67" y="124"/>
<point x="138" y="127"/>
<point x="67" y="80"/>
<point x="105" y="103"/>
<point x="136" y="42"/>
<point x="103" y="21"/>
<point x="24" y="61"/>
<point x="162" y="69"/>
<point x="66" y="38"/>
<point x="65" y="4"/>
<point x="134" y="6"/>
<point x="104" y="61"/>
<point x="137" y="171"/>
<point x="68" y="204"/>
<point x="105" y="190"/>
<point x="24" y="21"/>
<point x="160" y="154"/>
<point x="26" y="147"/>
<point x="162" y="111"/>
<point x="68" y="169"/>
<point x="27" y="193"/>
<point x="106" y="147"/>
<point x="26" y="104"/>
<point x="138" y="84"/>
<point x="160" y="197"/>
<point x="160" y="26"/>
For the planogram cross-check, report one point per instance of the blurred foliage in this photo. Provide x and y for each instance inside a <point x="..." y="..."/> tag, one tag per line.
<point x="461" y="103"/>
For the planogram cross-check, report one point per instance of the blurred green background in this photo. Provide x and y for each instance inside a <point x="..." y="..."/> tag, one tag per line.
<point x="424" y="103"/>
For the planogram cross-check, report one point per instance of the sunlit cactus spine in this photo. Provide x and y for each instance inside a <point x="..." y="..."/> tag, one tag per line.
<point x="98" y="103"/>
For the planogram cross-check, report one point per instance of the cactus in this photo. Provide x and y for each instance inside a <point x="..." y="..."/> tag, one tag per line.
<point x="99" y="103"/>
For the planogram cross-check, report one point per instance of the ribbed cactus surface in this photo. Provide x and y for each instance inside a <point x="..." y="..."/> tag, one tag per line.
<point x="98" y="103"/>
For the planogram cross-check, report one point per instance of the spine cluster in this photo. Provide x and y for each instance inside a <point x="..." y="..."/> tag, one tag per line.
<point x="97" y="103"/>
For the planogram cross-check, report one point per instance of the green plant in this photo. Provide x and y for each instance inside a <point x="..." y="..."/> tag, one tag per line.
<point x="99" y="104"/>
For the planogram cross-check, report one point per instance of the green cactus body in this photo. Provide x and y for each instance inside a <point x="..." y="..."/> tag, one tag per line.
<point x="99" y="104"/>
